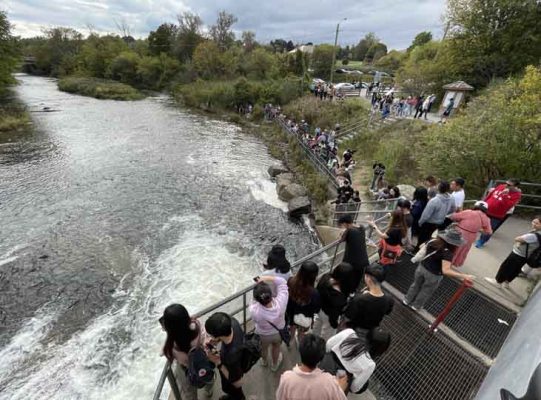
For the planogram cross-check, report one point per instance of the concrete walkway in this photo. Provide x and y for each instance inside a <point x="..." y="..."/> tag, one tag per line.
<point x="486" y="261"/>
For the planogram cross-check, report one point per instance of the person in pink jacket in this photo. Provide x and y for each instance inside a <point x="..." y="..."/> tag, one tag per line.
<point x="470" y="222"/>
<point x="268" y="314"/>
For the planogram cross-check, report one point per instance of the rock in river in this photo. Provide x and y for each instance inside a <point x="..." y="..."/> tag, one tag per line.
<point x="291" y="191"/>
<point x="276" y="170"/>
<point x="298" y="206"/>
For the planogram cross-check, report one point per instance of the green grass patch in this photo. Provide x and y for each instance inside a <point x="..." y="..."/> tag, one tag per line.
<point x="99" y="88"/>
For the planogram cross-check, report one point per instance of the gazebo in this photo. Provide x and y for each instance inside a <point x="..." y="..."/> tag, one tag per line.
<point x="456" y="90"/>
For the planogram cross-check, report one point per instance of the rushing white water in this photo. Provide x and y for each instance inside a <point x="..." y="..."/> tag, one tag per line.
<point x="124" y="209"/>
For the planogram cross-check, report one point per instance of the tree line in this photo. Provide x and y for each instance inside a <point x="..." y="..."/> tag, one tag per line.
<point x="483" y="41"/>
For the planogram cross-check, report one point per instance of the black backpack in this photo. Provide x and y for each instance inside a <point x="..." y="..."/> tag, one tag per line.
<point x="533" y="259"/>
<point x="200" y="371"/>
<point x="251" y="351"/>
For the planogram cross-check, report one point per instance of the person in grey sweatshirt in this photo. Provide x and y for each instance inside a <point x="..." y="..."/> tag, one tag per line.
<point x="435" y="212"/>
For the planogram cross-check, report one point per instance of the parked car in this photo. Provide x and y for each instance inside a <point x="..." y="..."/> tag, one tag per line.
<point x="344" y="86"/>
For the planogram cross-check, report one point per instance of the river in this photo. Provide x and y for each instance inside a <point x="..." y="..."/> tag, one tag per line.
<point x="109" y="212"/>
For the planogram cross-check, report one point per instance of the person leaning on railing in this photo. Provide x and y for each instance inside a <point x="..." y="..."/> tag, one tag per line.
<point x="183" y="335"/>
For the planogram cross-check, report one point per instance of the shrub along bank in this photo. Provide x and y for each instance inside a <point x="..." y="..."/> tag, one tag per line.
<point x="228" y="95"/>
<point x="99" y="88"/>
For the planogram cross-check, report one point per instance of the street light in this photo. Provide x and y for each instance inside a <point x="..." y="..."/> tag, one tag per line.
<point x="334" y="48"/>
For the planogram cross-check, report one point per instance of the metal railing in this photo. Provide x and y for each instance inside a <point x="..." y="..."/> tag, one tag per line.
<point x="325" y="262"/>
<point x="368" y="209"/>
<point x="316" y="161"/>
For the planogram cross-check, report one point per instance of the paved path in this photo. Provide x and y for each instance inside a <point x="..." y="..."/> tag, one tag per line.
<point x="486" y="261"/>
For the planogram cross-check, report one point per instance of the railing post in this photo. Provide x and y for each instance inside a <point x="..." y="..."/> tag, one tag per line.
<point x="334" y="257"/>
<point x="244" y="311"/>
<point x="466" y="284"/>
<point x="173" y="382"/>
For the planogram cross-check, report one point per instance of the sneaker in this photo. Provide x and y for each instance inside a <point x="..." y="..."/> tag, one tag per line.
<point x="275" y="368"/>
<point x="479" y="244"/>
<point x="493" y="282"/>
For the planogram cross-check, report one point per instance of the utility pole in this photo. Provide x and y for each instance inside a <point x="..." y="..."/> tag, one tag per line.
<point x="334" y="48"/>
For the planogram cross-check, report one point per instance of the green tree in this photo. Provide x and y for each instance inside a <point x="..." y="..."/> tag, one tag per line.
<point x="188" y="36"/>
<point x="493" y="38"/>
<point x="221" y="32"/>
<point x="124" y="67"/>
<point x="322" y="60"/>
<point x="161" y="40"/>
<point x="207" y="60"/>
<point x="375" y="52"/>
<point x="420" y="39"/>
<point x="359" y="51"/>
<point x="248" y="41"/>
<point x="497" y="135"/>
<point x="427" y="68"/>
<point x="8" y="52"/>
<point x="57" y="55"/>
<point x="98" y="52"/>
<point x="261" y="64"/>
<point x="392" y="61"/>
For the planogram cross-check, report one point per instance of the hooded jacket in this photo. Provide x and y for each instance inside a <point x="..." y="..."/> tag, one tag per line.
<point x="437" y="209"/>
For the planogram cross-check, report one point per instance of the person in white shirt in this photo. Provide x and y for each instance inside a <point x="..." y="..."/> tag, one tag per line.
<point x="351" y="349"/>
<point x="457" y="186"/>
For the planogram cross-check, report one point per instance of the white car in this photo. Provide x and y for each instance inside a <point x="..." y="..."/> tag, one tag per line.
<point x="344" y="86"/>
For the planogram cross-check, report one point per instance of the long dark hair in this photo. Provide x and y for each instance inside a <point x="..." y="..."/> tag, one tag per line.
<point x="421" y="194"/>
<point x="276" y="259"/>
<point x="181" y="329"/>
<point x="398" y="221"/>
<point x="301" y="286"/>
<point x="355" y="345"/>
<point x="343" y="274"/>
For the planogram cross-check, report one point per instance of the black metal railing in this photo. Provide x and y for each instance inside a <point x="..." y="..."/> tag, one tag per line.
<point x="317" y="162"/>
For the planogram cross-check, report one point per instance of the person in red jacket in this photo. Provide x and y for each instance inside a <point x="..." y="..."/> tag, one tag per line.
<point x="500" y="200"/>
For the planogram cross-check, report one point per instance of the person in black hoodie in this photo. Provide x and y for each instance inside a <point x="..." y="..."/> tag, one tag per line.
<point x="356" y="254"/>
<point x="334" y="289"/>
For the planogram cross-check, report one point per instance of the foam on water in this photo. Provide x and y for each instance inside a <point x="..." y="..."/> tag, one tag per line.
<point x="117" y="356"/>
<point x="264" y="190"/>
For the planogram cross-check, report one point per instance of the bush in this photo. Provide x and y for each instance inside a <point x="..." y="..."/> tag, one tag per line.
<point x="227" y="95"/>
<point x="99" y="88"/>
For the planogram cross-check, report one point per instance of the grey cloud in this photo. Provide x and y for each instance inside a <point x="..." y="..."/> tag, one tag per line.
<point x="396" y="22"/>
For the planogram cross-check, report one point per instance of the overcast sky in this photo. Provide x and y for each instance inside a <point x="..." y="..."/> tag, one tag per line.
<point x="396" y="22"/>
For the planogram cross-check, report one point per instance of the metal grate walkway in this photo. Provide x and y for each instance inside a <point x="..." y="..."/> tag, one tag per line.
<point x="422" y="365"/>
<point x="475" y="318"/>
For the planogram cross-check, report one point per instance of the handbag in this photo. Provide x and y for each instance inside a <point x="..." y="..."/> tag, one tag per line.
<point x="421" y="254"/>
<point x="303" y="321"/>
<point x="284" y="333"/>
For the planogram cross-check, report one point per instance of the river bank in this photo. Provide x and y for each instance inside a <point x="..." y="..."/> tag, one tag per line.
<point x="13" y="115"/>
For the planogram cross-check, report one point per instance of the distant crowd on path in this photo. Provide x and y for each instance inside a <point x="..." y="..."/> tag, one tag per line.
<point x="333" y="320"/>
<point x="322" y="143"/>
<point x="388" y="104"/>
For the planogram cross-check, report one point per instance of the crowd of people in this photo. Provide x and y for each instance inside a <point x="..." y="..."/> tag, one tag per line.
<point x="322" y="143"/>
<point x="333" y="320"/>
